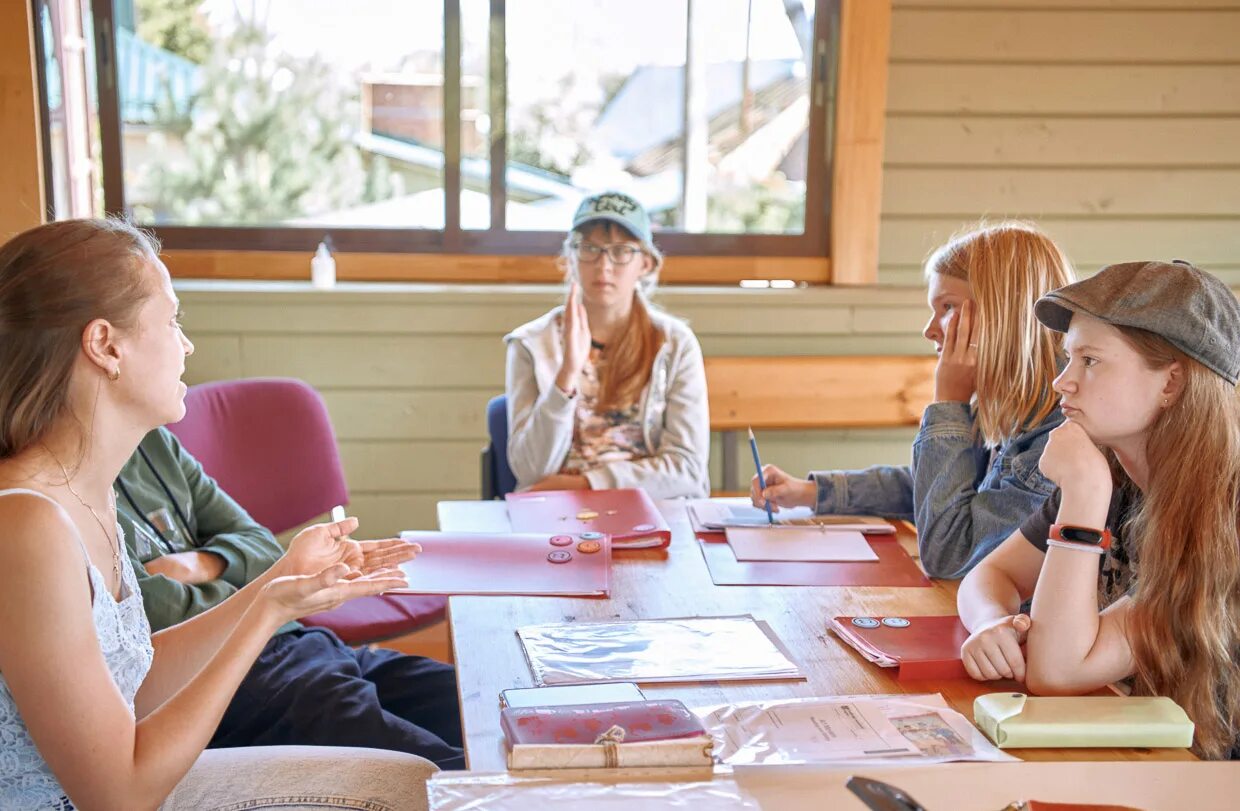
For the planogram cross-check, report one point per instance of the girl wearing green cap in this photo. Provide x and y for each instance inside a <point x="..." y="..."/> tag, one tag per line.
<point x="606" y="391"/>
<point x="1133" y="565"/>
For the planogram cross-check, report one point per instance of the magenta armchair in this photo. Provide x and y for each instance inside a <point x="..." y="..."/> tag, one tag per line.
<point x="269" y="443"/>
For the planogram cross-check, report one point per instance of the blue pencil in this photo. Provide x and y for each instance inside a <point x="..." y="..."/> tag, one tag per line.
<point x="757" y="462"/>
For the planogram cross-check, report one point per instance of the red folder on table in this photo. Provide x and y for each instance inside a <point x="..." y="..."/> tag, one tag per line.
<point x="583" y="723"/>
<point x="630" y="517"/>
<point x="919" y="647"/>
<point x="554" y="564"/>
<point x="629" y="734"/>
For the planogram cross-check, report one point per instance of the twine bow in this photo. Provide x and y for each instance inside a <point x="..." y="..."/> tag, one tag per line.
<point x="609" y="741"/>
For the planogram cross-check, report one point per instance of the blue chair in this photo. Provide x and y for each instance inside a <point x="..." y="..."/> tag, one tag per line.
<point x="497" y="478"/>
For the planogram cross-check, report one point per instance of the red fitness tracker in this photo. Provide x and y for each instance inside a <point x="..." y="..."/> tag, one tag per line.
<point x="1085" y="536"/>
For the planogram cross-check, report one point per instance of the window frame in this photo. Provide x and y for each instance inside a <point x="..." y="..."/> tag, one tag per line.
<point x="495" y="240"/>
<point x="855" y="130"/>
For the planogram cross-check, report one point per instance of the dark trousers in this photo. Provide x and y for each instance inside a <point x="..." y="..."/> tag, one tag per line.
<point x="309" y="688"/>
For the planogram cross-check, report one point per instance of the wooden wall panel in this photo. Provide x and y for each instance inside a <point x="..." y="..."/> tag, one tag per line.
<point x="1081" y="34"/>
<point x="1113" y="123"/>
<point x="21" y="153"/>
<point x="857" y="168"/>
<point x="386" y="267"/>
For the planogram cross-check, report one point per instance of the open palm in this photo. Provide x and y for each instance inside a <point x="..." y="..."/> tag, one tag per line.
<point x="299" y="595"/>
<point x="320" y="546"/>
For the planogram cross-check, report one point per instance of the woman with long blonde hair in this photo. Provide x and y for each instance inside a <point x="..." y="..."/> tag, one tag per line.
<point x="607" y="391"/>
<point x="974" y="473"/>
<point x="1148" y="473"/>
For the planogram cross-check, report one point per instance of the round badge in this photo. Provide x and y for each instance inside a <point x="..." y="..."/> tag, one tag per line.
<point x="591" y="536"/>
<point x="643" y="527"/>
<point x="860" y="622"/>
<point x="587" y="515"/>
<point x="561" y="540"/>
<point x="589" y="547"/>
<point x="895" y="622"/>
<point x="560" y="556"/>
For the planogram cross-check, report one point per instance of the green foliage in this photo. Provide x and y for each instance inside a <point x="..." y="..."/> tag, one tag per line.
<point x="773" y="206"/>
<point x="175" y="26"/>
<point x="268" y="138"/>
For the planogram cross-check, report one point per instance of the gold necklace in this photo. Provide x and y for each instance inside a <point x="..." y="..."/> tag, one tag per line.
<point x="114" y="545"/>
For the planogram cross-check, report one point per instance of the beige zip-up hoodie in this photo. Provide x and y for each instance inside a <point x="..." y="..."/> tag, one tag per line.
<point x="674" y="416"/>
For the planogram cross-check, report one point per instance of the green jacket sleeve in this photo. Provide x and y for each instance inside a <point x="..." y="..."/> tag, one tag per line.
<point x="216" y="522"/>
<point x="168" y="602"/>
<point x="223" y="527"/>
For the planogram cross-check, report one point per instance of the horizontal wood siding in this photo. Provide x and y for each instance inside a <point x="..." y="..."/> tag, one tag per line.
<point x="1116" y="125"/>
<point x="407" y="370"/>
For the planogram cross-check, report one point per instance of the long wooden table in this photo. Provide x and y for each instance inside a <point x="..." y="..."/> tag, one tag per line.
<point x="676" y="583"/>
<point x="1200" y="786"/>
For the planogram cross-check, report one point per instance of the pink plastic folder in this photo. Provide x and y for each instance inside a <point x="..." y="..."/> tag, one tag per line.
<point x="894" y="567"/>
<point x="552" y="564"/>
<point x="629" y="516"/>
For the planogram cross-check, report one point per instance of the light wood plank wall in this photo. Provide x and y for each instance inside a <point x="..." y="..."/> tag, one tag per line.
<point x="1114" y="123"/>
<point x="22" y="204"/>
<point x="407" y="370"/>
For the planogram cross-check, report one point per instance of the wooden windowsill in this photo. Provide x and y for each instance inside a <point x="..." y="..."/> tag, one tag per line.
<point x="419" y="267"/>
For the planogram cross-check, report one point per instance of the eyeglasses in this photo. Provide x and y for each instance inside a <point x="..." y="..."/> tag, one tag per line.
<point x="619" y="254"/>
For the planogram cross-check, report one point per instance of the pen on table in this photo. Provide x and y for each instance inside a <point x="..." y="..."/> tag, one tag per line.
<point x="757" y="462"/>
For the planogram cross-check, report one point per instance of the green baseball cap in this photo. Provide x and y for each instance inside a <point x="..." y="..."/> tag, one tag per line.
<point x="617" y="207"/>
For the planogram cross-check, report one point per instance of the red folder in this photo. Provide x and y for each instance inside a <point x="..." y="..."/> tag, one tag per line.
<point x="491" y="563"/>
<point x="630" y="517"/>
<point x="918" y="647"/>
<point x="894" y="567"/>
<point x="583" y="723"/>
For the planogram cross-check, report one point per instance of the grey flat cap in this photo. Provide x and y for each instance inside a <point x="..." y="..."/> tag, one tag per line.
<point x="1192" y="309"/>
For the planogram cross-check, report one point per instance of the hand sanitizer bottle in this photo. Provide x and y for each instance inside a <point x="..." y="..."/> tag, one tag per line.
<point x="323" y="267"/>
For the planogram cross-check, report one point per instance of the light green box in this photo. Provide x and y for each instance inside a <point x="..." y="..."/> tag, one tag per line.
<point x="1015" y="720"/>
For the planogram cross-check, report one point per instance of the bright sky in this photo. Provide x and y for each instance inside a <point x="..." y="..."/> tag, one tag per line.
<point x="544" y="36"/>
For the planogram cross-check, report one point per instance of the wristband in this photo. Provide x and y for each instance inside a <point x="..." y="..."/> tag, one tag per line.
<point x="1086" y="536"/>
<point x="1079" y="547"/>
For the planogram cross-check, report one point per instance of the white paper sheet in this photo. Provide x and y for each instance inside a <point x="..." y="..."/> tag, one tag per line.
<point x="892" y="728"/>
<point x="800" y="543"/>
<point x="661" y="650"/>
<point x="716" y="514"/>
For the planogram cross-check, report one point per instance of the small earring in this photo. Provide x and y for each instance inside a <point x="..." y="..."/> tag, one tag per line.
<point x="1166" y="402"/>
<point x="115" y="374"/>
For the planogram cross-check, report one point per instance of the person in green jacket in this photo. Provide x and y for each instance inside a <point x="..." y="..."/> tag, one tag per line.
<point x="192" y="546"/>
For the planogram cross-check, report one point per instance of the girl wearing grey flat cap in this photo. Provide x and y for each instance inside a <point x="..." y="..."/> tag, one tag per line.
<point x="1144" y="523"/>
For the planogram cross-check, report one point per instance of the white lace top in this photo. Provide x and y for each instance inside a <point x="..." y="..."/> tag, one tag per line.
<point x="125" y="639"/>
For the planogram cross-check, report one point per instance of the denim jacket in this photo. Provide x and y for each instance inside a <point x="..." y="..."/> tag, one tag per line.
<point x="964" y="499"/>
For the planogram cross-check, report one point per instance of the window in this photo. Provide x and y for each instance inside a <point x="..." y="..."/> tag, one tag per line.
<point x="461" y="126"/>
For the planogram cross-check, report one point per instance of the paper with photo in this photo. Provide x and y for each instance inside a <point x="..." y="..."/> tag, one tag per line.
<point x="801" y="543"/>
<point x="901" y="729"/>
<point x="661" y="650"/>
